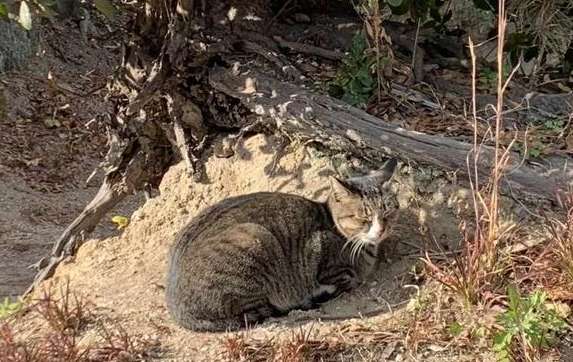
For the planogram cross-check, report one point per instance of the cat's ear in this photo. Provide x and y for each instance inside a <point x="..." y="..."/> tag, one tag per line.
<point x="377" y="178"/>
<point x="340" y="189"/>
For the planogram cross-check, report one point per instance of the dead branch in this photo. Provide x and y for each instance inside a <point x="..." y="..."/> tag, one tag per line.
<point x="337" y="125"/>
<point x="309" y="49"/>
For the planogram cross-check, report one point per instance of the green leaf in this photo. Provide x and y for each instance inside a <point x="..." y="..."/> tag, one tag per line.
<point x="25" y="17"/>
<point x="501" y="341"/>
<point x="514" y="298"/>
<point x="3" y="11"/>
<point x="7" y="308"/>
<point x="120" y="221"/>
<point x="534" y="152"/>
<point x="455" y="329"/>
<point x="105" y="7"/>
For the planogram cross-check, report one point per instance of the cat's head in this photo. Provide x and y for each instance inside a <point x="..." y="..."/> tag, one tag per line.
<point x="363" y="209"/>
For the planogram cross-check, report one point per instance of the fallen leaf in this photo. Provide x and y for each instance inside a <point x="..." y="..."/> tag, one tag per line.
<point x="250" y="87"/>
<point x="120" y="221"/>
<point x="52" y="123"/>
<point x="34" y="162"/>
<point x="105" y="7"/>
<point x="25" y="17"/>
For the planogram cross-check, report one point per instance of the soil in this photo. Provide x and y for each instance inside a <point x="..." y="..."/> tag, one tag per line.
<point x="49" y="146"/>
<point x="127" y="272"/>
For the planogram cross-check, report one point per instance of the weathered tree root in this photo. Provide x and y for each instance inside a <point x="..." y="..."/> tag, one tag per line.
<point x="106" y="199"/>
<point x="117" y="184"/>
<point x="130" y="167"/>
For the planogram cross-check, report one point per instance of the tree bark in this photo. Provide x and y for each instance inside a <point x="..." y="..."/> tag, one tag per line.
<point x="335" y="124"/>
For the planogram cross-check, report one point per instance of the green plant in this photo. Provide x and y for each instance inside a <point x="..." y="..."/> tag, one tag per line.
<point x="355" y="81"/>
<point x="488" y="76"/>
<point x="554" y="124"/>
<point x="533" y="150"/>
<point x="426" y="12"/>
<point x="528" y="326"/>
<point x="455" y="329"/>
<point x="8" y="308"/>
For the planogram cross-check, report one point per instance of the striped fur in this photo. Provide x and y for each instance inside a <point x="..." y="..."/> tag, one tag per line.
<point x="254" y="256"/>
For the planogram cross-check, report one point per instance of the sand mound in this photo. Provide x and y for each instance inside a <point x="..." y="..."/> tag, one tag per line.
<point x="124" y="275"/>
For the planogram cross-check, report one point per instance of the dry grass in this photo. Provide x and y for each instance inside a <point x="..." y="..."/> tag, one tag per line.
<point x="548" y="21"/>
<point x="66" y="318"/>
<point x="298" y="347"/>
<point x="354" y="342"/>
<point x="550" y="265"/>
<point x="67" y="315"/>
<point x="562" y="235"/>
<point x="482" y="272"/>
<point x="475" y="274"/>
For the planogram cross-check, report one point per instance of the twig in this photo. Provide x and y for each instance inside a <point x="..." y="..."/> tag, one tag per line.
<point x="180" y="141"/>
<point x="418" y="57"/>
<point x="276" y="59"/>
<point x="309" y="49"/>
<point x="279" y="13"/>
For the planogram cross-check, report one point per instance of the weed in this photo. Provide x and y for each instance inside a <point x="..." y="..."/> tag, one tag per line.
<point x="477" y="268"/>
<point x="532" y="151"/>
<point x="554" y="124"/>
<point x="455" y="329"/>
<point x="118" y="345"/>
<point x="66" y="318"/>
<point x="528" y="326"/>
<point x="488" y="76"/>
<point x="17" y="351"/>
<point x="9" y="308"/>
<point x="298" y="347"/>
<point x="355" y="82"/>
<point x="561" y="231"/>
<point x="301" y="347"/>
<point x="544" y="137"/>
<point x="68" y="315"/>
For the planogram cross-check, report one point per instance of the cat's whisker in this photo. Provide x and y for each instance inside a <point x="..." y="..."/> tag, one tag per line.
<point x="351" y="251"/>
<point x="348" y="243"/>
<point x="357" y="246"/>
<point x="363" y="247"/>
<point x="356" y="251"/>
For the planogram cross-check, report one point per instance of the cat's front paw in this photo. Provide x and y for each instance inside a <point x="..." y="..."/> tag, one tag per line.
<point x="347" y="282"/>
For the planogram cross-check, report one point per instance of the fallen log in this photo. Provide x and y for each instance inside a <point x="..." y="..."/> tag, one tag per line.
<point x="300" y="113"/>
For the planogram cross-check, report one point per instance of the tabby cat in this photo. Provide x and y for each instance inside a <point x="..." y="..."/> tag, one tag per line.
<point x="264" y="254"/>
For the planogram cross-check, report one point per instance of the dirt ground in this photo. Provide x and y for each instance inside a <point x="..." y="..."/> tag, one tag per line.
<point x="49" y="145"/>
<point x="124" y="275"/>
<point x="48" y="148"/>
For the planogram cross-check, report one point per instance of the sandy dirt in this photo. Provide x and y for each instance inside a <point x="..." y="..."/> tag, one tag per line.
<point x="124" y="276"/>
<point x="43" y="166"/>
<point x="49" y="145"/>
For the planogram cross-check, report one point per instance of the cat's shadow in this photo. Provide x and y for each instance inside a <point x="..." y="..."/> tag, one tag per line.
<point x="396" y="281"/>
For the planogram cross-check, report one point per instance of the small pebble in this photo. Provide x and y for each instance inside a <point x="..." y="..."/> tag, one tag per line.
<point x="302" y="18"/>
